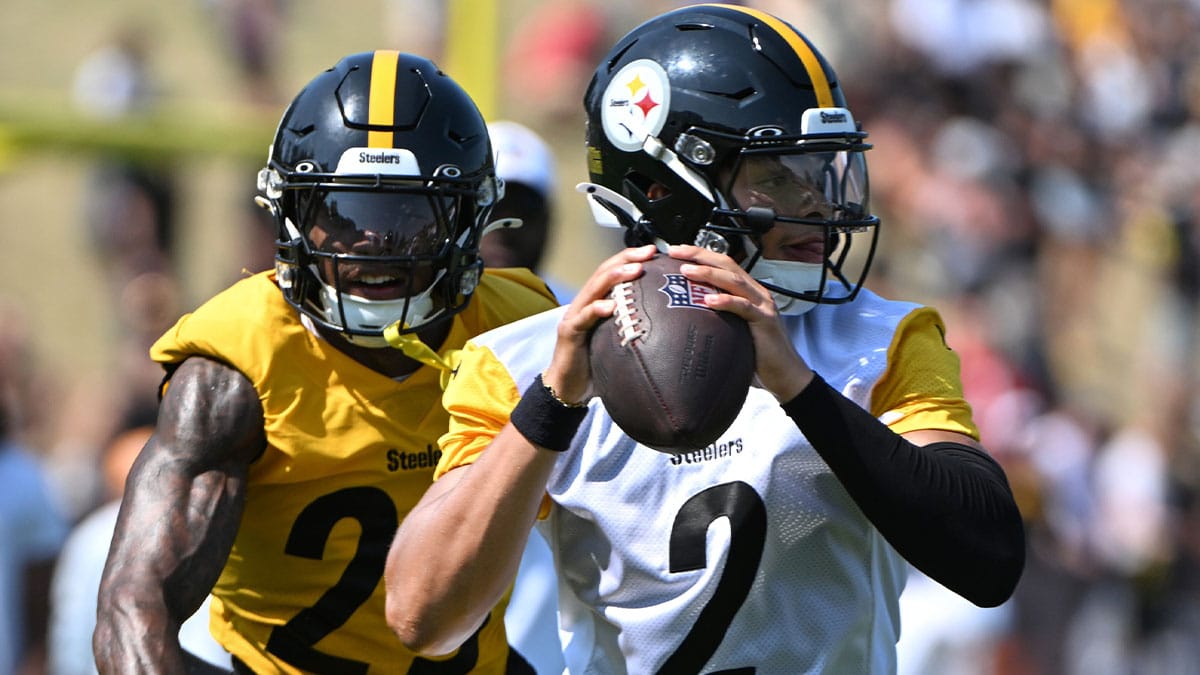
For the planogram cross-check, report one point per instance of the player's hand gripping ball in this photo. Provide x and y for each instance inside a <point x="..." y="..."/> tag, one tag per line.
<point x="671" y="372"/>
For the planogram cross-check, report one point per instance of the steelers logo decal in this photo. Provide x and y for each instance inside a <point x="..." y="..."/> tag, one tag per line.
<point x="635" y="104"/>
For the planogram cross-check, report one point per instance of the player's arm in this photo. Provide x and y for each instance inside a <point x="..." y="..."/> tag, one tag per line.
<point x="181" y="509"/>
<point x="458" y="550"/>
<point x="936" y="496"/>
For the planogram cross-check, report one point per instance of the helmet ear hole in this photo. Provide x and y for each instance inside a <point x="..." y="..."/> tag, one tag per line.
<point x="658" y="191"/>
<point x="640" y="185"/>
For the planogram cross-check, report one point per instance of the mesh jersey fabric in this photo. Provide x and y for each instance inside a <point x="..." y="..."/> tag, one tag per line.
<point x="748" y="553"/>
<point x="349" y="453"/>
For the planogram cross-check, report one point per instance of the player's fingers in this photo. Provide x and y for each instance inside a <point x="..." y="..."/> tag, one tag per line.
<point x="750" y="300"/>
<point x="734" y="281"/>
<point x="592" y="302"/>
<point x="739" y="293"/>
<point x="569" y="371"/>
<point x="577" y="323"/>
<point x="739" y="289"/>
<point x="569" y="368"/>
<point x="720" y="271"/>
<point x="569" y="365"/>
<point x="623" y="266"/>
<point x="753" y="313"/>
<point x="703" y="256"/>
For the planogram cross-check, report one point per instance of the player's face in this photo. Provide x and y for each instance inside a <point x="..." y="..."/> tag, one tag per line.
<point x="791" y="186"/>
<point x="387" y="226"/>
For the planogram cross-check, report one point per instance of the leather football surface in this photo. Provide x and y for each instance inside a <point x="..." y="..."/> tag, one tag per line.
<point x="671" y="372"/>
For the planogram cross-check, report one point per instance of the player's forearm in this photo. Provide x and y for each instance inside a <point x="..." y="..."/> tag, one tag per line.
<point x="136" y="639"/>
<point x="947" y="508"/>
<point x="135" y="630"/>
<point x="458" y="551"/>
<point x="139" y="611"/>
<point x="172" y="537"/>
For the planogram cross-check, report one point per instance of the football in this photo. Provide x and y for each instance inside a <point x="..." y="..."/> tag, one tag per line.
<point x="672" y="373"/>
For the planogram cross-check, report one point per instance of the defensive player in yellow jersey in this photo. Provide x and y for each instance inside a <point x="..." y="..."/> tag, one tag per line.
<point x="299" y="420"/>
<point x="783" y="546"/>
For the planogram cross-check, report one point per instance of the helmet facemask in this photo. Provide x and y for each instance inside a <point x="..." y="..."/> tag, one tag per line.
<point x="815" y="181"/>
<point x="809" y="195"/>
<point x="380" y="178"/>
<point x="687" y="102"/>
<point x="360" y="253"/>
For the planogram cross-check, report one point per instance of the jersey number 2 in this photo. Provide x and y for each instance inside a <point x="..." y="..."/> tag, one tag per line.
<point x="747" y="516"/>
<point x="376" y="515"/>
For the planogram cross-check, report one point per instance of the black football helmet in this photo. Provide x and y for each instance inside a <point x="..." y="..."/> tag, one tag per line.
<point x="692" y="101"/>
<point x="380" y="178"/>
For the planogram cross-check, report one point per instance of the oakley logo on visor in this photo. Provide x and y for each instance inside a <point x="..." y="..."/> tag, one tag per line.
<point x="389" y="161"/>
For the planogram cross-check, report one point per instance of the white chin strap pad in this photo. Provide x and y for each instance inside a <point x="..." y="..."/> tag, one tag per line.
<point x="375" y="315"/>
<point x="792" y="275"/>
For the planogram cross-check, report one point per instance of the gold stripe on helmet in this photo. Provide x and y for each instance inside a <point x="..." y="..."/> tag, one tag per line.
<point x="812" y="64"/>
<point x="382" y="110"/>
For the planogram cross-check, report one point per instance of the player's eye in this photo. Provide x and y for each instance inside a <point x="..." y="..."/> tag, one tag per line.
<point x="773" y="183"/>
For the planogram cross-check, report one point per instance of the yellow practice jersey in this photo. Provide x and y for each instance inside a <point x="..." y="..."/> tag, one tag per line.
<point x="349" y="453"/>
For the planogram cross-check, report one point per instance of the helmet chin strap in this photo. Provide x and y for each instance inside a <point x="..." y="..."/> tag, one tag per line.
<point x="792" y="275"/>
<point x="364" y="314"/>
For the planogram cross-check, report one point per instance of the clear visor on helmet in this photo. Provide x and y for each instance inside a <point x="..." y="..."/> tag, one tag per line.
<point x="808" y="210"/>
<point x="821" y="187"/>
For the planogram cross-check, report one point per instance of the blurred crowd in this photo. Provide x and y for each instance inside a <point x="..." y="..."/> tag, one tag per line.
<point x="1035" y="170"/>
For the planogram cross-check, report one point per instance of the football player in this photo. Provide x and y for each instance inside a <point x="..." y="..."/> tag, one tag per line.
<point x="720" y="134"/>
<point x="301" y="410"/>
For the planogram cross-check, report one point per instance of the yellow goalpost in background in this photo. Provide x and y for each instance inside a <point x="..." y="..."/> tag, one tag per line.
<point x="473" y="48"/>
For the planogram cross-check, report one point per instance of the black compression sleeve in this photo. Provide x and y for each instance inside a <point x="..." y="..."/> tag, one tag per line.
<point x="946" y="507"/>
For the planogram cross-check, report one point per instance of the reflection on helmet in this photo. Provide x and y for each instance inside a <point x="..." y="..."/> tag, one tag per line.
<point x="382" y="223"/>
<point x="797" y="185"/>
<point x="380" y="179"/>
<point x="740" y="125"/>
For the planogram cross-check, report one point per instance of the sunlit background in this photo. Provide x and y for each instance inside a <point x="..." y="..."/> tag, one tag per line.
<point x="1035" y="165"/>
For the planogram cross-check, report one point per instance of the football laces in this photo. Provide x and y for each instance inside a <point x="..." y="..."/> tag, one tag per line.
<point x="629" y="324"/>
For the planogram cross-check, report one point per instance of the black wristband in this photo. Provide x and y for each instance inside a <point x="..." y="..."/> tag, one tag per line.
<point x="544" y="420"/>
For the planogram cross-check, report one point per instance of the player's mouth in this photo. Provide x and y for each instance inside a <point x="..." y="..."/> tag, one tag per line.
<point x="376" y="286"/>
<point x="807" y="249"/>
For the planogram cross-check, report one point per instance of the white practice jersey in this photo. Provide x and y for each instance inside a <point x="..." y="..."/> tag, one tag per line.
<point x="746" y="556"/>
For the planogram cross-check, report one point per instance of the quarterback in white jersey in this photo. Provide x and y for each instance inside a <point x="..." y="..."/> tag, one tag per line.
<point x="719" y="135"/>
<point x="752" y="533"/>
